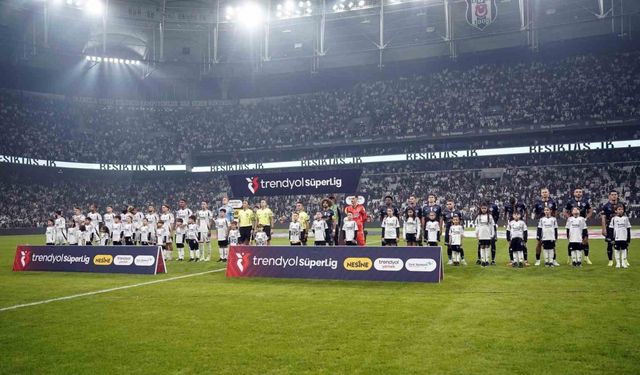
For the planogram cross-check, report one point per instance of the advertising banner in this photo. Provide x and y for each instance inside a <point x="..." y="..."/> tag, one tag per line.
<point x="101" y="259"/>
<point x="419" y="264"/>
<point x="295" y="183"/>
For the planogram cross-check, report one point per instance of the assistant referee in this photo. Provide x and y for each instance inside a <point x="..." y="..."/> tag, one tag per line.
<point x="246" y="218"/>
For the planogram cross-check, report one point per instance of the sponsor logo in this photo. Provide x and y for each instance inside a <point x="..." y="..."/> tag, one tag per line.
<point x="388" y="264"/>
<point x="254" y="184"/>
<point x="421" y="265"/>
<point x="102" y="260"/>
<point x="144" y="260"/>
<point x="25" y="258"/>
<point x="242" y="261"/>
<point x="123" y="260"/>
<point x="295" y="262"/>
<point x="357" y="264"/>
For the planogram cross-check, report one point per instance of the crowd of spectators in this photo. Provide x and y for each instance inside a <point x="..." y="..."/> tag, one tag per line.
<point x="29" y="203"/>
<point x="486" y="96"/>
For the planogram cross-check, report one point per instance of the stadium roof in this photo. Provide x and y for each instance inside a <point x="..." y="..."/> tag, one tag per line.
<point x="202" y="39"/>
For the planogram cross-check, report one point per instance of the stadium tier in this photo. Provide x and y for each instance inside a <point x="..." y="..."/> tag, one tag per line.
<point x="580" y="92"/>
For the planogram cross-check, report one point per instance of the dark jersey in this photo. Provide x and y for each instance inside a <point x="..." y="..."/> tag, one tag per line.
<point x="327" y="215"/>
<point x="383" y="212"/>
<point x="417" y="210"/>
<point x="583" y="205"/>
<point x="448" y="216"/>
<point x="426" y="210"/>
<point x="538" y="208"/>
<point x="609" y="210"/>
<point x="518" y="207"/>
<point x="495" y="212"/>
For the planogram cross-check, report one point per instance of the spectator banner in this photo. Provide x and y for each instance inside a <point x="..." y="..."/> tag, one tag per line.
<point x="101" y="259"/>
<point x="419" y="264"/>
<point x="295" y="183"/>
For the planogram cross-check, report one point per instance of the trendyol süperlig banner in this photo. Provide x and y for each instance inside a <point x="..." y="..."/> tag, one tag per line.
<point x="420" y="264"/>
<point x="295" y="183"/>
<point x="100" y="259"/>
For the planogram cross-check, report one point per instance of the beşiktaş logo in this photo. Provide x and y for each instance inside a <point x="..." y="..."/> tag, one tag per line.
<point x="60" y="258"/>
<point x="481" y="13"/>
<point x="256" y="183"/>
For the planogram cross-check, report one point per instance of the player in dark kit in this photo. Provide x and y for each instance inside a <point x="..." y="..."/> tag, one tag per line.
<point x="582" y="204"/>
<point x="538" y="210"/>
<point x="509" y="208"/>
<point x="428" y="208"/>
<point x="608" y="211"/>
<point x="448" y="214"/>
<point x="388" y="203"/>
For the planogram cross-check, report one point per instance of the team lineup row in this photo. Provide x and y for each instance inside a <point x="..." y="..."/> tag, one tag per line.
<point x="332" y="226"/>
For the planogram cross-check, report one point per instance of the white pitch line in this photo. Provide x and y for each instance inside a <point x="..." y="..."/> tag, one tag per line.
<point x="107" y="290"/>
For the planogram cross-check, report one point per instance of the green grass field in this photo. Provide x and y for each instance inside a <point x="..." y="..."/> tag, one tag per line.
<point x="494" y="320"/>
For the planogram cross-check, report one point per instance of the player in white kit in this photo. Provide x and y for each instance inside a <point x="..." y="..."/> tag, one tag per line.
<point x="61" y="228"/>
<point x="222" y="233"/>
<point x="203" y="219"/>
<point x="168" y="222"/>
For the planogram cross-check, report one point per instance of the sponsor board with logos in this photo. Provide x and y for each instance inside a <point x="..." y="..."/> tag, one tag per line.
<point x="419" y="264"/>
<point x="100" y="259"/>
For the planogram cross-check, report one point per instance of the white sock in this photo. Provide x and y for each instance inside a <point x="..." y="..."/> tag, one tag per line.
<point x="226" y="252"/>
<point x="191" y="254"/>
<point x="180" y="253"/>
<point x="624" y="257"/>
<point x="580" y="256"/>
<point x="617" y="254"/>
<point x="221" y="251"/>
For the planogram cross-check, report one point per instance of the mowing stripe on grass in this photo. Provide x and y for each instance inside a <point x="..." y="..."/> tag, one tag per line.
<point x="107" y="290"/>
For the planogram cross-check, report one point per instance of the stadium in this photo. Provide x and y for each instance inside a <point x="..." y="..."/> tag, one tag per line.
<point x="319" y="187"/>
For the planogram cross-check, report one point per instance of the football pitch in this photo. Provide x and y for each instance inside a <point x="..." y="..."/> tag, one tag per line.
<point x="496" y="320"/>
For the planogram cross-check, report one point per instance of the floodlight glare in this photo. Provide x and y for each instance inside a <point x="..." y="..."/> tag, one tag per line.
<point x="250" y="15"/>
<point x="121" y="61"/>
<point x="88" y="58"/>
<point x="361" y="3"/>
<point x="94" y="7"/>
<point x="99" y="59"/>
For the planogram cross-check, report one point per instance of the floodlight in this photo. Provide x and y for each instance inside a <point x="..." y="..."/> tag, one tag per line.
<point x="94" y="7"/>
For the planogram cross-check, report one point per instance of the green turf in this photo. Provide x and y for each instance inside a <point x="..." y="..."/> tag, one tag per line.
<point x="495" y="320"/>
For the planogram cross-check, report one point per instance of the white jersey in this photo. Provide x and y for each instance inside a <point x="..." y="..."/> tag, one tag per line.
<point x="484" y="227"/>
<point x="95" y="217"/>
<point x="412" y="226"/>
<point x="234" y="236"/>
<point x="549" y="225"/>
<point x="78" y="220"/>
<point x="517" y="229"/>
<point x="86" y="235"/>
<point x="349" y="227"/>
<point x="192" y="231"/>
<point x="72" y="235"/>
<point x="222" y="228"/>
<point x="50" y="235"/>
<point x="204" y="220"/>
<point x="152" y="219"/>
<point x="116" y="232"/>
<point x="576" y="225"/>
<point x="432" y="228"/>
<point x="161" y="235"/>
<point x="61" y="224"/>
<point x="620" y="225"/>
<point x="261" y="238"/>
<point x="104" y="238"/>
<point x="128" y="229"/>
<point x="168" y="221"/>
<point x="389" y="226"/>
<point x="137" y="221"/>
<point x="184" y="214"/>
<point x="145" y="233"/>
<point x="294" y="232"/>
<point x="456" y="233"/>
<point x="108" y="220"/>
<point x="181" y="232"/>
<point x="319" y="228"/>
